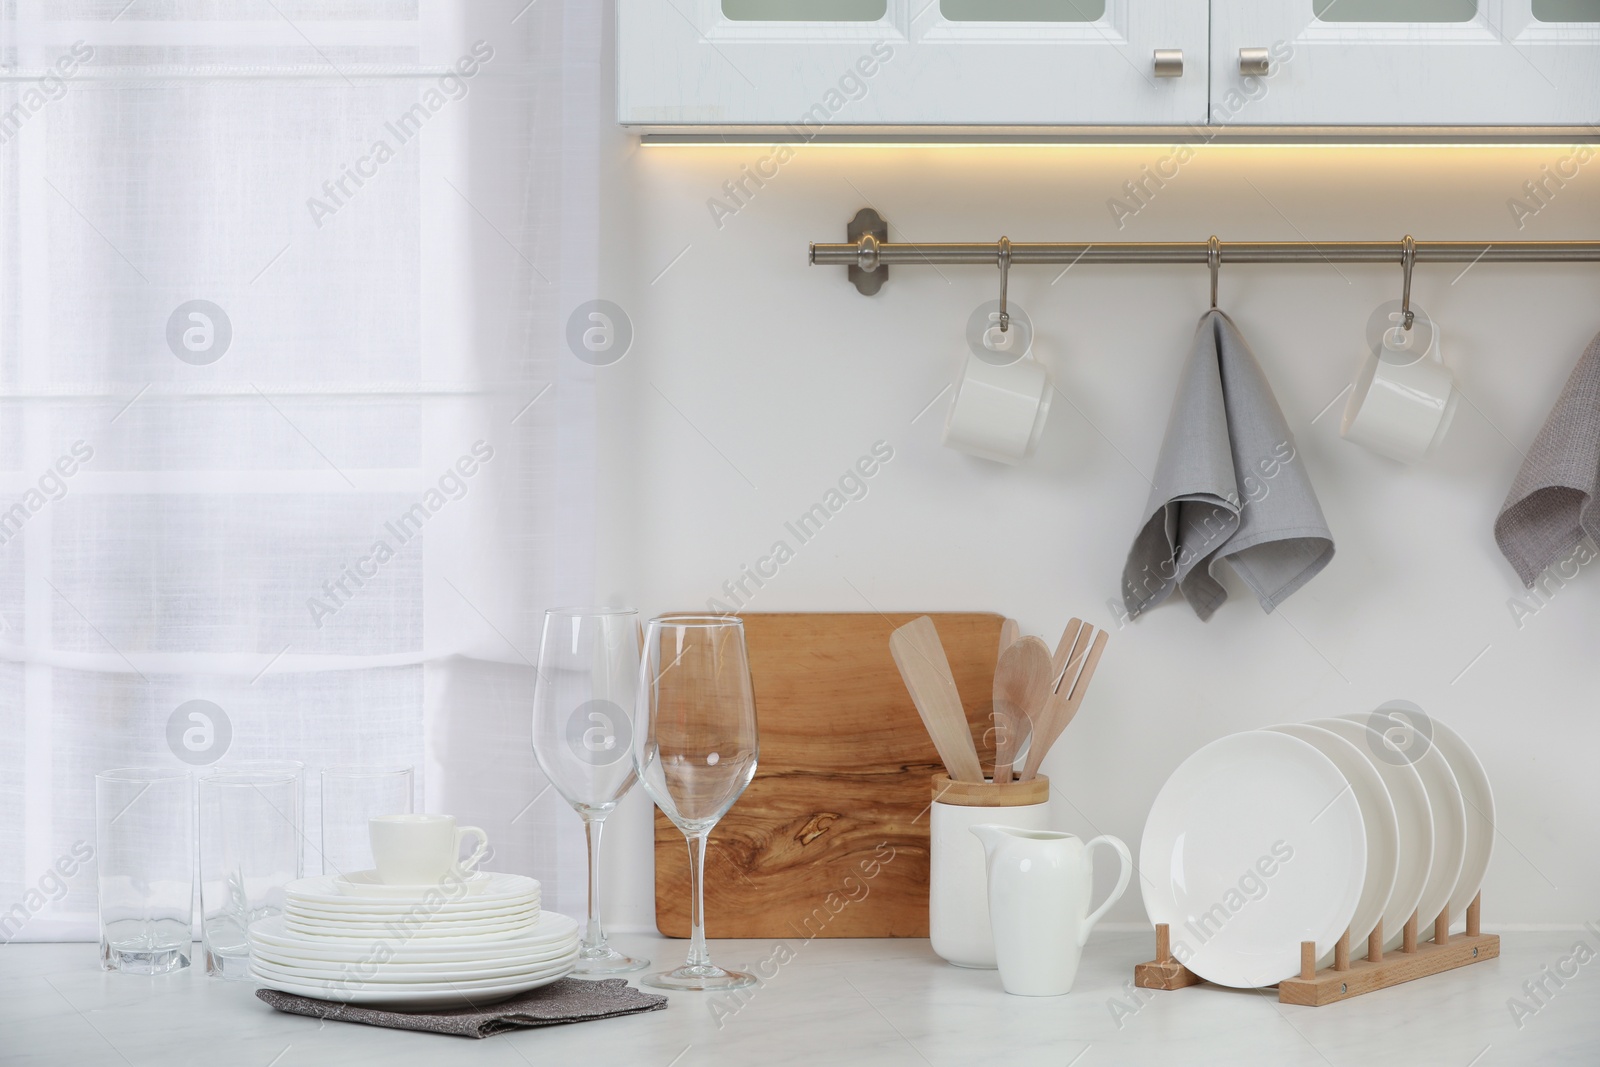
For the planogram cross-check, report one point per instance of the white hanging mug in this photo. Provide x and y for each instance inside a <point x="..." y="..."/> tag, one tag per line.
<point x="1040" y="882"/>
<point x="1003" y="395"/>
<point x="1404" y="399"/>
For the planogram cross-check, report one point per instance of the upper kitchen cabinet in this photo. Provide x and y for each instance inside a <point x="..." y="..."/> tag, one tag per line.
<point x="1406" y="62"/>
<point x="809" y="64"/>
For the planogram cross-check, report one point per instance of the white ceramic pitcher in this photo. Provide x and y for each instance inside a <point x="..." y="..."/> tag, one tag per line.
<point x="1039" y="887"/>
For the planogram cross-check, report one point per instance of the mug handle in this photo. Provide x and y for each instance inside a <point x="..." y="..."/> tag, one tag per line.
<point x="1116" y="894"/>
<point x="468" y="865"/>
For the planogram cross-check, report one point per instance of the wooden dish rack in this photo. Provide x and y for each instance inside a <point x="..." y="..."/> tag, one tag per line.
<point x="1347" y="978"/>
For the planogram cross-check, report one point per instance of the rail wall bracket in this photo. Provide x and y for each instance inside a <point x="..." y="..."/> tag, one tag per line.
<point x="868" y="275"/>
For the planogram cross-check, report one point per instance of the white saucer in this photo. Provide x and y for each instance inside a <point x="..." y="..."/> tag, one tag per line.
<point x="1254" y="845"/>
<point x="1414" y="817"/>
<point x="1377" y="817"/>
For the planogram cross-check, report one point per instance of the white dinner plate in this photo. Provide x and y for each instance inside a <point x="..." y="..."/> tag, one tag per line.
<point x="1254" y="845"/>
<point x="1377" y="817"/>
<point x="421" y="918"/>
<point x="552" y="928"/>
<point x="420" y="931"/>
<point x="1478" y="799"/>
<point x="368" y="884"/>
<point x="414" y="999"/>
<point x="1412" y="814"/>
<point x="1449" y="821"/>
<point x="452" y="912"/>
<point x="392" y="971"/>
<point x="493" y="890"/>
<point x="469" y="976"/>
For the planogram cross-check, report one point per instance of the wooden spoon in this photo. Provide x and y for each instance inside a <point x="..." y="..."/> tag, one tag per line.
<point x="1022" y="684"/>
<point x="1064" y="702"/>
<point x="925" y="670"/>
<point x="1009" y="632"/>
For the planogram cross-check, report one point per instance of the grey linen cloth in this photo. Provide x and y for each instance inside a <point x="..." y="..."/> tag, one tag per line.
<point x="1229" y="485"/>
<point x="1551" y="506"/>
<point x="571" y="1000"/>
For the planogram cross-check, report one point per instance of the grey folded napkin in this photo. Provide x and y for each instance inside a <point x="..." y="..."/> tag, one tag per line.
<point x="1551" y="506"/>
<point x="1229" y="485"/>
<point x="571" y="1000"/>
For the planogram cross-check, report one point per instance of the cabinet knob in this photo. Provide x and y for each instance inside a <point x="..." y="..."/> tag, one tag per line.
<point x="1169" y="62"/>
<point x="1254" y="61"/>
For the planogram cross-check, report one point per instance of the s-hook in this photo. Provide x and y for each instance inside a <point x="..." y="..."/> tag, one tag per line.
<point x="1002" y="257"/>
<point x="1214" y="261"/>
<point x="1408" y="259"/>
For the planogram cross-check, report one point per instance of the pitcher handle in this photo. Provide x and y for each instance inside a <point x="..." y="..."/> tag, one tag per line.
<point x="1116" y="894"/>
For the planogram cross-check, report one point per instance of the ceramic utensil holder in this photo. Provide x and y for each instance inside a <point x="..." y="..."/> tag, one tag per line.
<point x="958" y="889"/>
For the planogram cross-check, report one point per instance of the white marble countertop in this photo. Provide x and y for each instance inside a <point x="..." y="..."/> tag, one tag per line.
<point x="841" y="1002"/>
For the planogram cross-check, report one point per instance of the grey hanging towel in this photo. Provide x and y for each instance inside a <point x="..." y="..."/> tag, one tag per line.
<point x="1551" y="505"/>
<point x="1229" y="486"/>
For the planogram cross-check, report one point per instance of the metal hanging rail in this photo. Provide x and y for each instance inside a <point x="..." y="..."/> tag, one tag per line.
<point x="869" y="252"/>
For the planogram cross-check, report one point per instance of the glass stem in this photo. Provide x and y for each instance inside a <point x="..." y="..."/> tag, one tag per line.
<point x="698" y="956"/>
<point x="594" y="938"/>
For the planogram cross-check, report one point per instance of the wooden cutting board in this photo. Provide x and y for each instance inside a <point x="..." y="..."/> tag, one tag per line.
<point x="831" y="837"/>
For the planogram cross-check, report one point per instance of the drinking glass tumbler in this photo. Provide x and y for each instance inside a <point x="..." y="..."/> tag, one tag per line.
<point x="250" y="831"/>
<point x="583" y="704"/>
<point x="144" y="843"/>
<point x="349" y="798"/>
<point x="695" y="752"/>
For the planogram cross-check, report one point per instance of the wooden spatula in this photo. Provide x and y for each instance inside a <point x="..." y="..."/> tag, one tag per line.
<point x="1063" y="704"/>
<point x="1009" y="632"/>
<point x="925" y="670"/>
<point x="1022" y="683"/>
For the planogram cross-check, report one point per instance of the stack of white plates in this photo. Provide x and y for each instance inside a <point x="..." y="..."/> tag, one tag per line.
<point x="361" y="942"/>
<point x="1305" y="831"/>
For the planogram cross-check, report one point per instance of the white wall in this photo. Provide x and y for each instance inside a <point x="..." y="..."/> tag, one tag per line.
<point x="749" y="364"/>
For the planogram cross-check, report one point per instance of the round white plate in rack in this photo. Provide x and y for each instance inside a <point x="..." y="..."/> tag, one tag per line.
<point x="1412" y="814"/>
<point x="1254" y="845"/>
<point x="1449" y="819"/>
<point x="1377" y="817"/>
<point x="1478" y="799"/>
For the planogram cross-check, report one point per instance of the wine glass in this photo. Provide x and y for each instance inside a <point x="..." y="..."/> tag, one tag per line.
<point x="583" y="704"/>
<point x="695" y="751"/>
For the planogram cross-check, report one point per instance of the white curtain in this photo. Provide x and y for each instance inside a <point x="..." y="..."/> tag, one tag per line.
<point x="288" y="420"/>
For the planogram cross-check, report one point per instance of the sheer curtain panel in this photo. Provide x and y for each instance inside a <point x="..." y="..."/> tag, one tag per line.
<point x="293" y="452"/>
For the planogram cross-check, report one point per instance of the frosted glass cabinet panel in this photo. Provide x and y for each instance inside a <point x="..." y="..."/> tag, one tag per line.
<point x="1408" y="62"/>
<point x="812" y="64"/>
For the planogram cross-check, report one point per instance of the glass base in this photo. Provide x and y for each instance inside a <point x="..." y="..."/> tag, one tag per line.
<point x="606" y="961"/>
<point x="143" y="960"/>
<point x="699" y="978"/>
<point x="231" y="964"/>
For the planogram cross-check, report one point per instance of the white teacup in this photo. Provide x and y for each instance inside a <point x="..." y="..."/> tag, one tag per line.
<point x="999" y="409"/>
<point x="422" y="849"/>
<point x="1405" y="397"/>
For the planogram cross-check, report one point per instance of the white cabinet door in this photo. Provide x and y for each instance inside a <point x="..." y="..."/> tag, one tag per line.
<point x="1410" y="62"/>
<point x="814" y="63"/>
